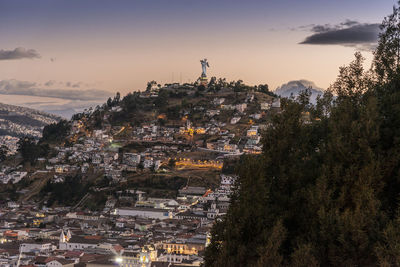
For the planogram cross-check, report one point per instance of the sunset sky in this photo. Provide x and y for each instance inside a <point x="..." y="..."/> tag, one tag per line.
<point x="62" y="48"/>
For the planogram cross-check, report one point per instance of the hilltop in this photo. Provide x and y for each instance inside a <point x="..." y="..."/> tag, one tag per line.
<point x="158" y="141"/>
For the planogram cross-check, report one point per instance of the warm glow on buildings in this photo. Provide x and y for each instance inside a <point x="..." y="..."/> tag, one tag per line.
<point x="183" y="248"/>
<point x="186" y="162"/>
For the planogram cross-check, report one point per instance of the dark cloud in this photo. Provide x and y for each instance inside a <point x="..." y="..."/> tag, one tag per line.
<point x="349" y="23"/>
<point x="327" y="27"/>
<point x="348" y="33"/>
<point x="18" y="53"/>
<point x="73" y="85"/>
<point x="15" y="87"/>
<point x="321" y="28"/>
<point x="10" y="85"/>
<point x="50" y="83"/>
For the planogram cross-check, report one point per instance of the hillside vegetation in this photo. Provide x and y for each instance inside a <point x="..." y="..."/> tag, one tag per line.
<point x="183" y="135"/>
<point x="324" y="192"/>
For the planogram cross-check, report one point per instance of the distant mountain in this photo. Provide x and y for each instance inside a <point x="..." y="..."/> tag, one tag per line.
<point x="64" y="113"/>
<point x="295" y="87"/>
<point x="19" y="121"/>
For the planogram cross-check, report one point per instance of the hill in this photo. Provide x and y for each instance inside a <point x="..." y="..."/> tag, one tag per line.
<point x="157" y="141"/>
<point x="20" y="121"/>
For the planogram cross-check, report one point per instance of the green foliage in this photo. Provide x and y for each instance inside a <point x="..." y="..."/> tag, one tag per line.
<point x="150" y="84"/>
<point x="201" y="88"/>
<point x="161" y="122"/>
<point x="3" y="152"/>
<point x="131" y="104"/>
<point x="161" y="101"/>
<point x="387" y="54"/>
<point x="77" y="116"/>
<point x="171" y="163"/>
<point x="109" y="102"/>
<point x="30" y="150"/>
<point x="96" y="201"/>
<point x="263" y="88"/>
<point x="117" y="98"/>
<point x="56" y="132"/>
<point x="239" y="86"/>
<point x="68" y="192"/>
<point x="325" y="190"/>
<point x="212" y="81"/>
<point x="162" y="184"/>
<point x="173" y="113"/>
<point x="177" y="94"/>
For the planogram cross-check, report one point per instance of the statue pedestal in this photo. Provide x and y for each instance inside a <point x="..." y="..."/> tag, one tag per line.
<point x="203" y="80"/>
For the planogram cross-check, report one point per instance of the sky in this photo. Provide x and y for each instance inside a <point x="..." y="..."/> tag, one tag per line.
<point x="79" y="52"/>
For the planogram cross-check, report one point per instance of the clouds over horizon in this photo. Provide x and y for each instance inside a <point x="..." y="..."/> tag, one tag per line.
<point x="18" y="53"/>
<point x="52" y="83"/>
<point x="16" y="87"/>
<point x="351" y="33"/>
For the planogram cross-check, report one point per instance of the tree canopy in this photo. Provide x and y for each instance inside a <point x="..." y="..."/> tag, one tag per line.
<point x="325" y="191"/>
<point x="30" y="150"/>
<point x="56" y="132"/>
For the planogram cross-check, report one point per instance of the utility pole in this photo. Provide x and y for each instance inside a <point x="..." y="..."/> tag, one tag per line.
<point x="19" y="256"/>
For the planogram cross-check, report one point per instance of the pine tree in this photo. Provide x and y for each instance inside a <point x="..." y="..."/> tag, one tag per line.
<point x="325" y="191"/>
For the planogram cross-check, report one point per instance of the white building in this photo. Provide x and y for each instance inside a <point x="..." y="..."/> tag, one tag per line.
<point x="148" y="163"/>
<point x="60" y="263"/>
<point x="12" y="205"/>
<point x="227" y="180"/>
<point x="144" y="213"/>
<point x="157" y="164"/>
<point x="253" y="131"/>
<point x="218" y="101"/>
<point x="131" y="159"/>
<point x="265" y="106"/>
<point x="276" y="103"/>
<point x="235" y="120"/>
<point x="96" y="159"/>
<point x="36" y="247"/>
<point x="17" y="176"/>
<point x="241" y="107"/>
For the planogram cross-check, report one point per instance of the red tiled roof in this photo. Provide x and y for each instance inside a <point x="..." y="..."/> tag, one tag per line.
<point x="73" y="254"/>
<point x="96" y="237"/>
